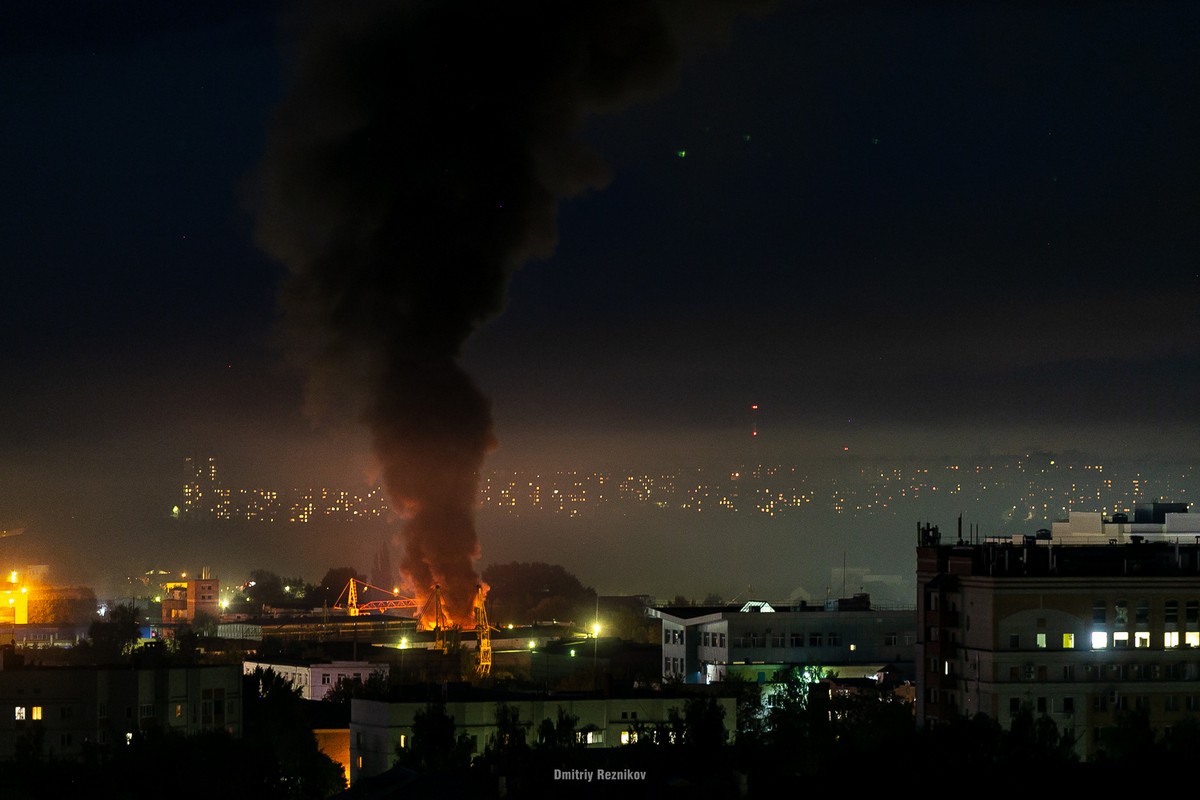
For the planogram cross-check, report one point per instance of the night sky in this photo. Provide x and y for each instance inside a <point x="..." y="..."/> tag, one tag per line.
<point x="926" y="228"/>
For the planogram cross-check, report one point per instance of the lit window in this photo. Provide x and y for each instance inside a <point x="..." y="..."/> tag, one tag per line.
<point x="1141" y="639"/>
<point x="1068" y="641"/>
<point x="1192" y="638"/>
<point x="1099" y="640"/>
<point x="36" y="712"/>
<point x="19" y="713"/>
<point x="1171" y="639"/>
<point x="1041" y="641"/>
<point x="1121" y="639"/>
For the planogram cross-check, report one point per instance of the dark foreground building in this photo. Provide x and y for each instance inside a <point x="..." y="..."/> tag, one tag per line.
<point x="1078" y="625"/>
<point x="65" y="712"/>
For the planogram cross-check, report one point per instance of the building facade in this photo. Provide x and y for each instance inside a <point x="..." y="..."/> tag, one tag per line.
<point x="62" y="712"/>
<point x="756" y="640"/>
<point x="184" y="601"/>
<point x="1078" y="628"/>
<point x="315" y="679"/>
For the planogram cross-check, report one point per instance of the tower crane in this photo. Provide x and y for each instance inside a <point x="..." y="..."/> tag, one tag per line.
<point x="439" y="618"/>
<point x="483" y="653"/>
<point x="355" y="608"/>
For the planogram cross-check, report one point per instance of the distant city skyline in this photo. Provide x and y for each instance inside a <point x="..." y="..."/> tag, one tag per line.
<point x="1043" y="487"/>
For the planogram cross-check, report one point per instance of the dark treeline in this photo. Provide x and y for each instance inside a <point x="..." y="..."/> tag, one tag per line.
<point x="798" y="735"/>
<point x="795" y="737"/>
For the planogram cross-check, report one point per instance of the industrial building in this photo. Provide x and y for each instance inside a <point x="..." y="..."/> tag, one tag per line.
<point x="756" y="640"/>
<point x="183" y="601"/>
<point x="1094" y="617"/>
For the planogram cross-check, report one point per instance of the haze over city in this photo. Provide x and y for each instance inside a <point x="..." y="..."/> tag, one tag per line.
<point x="817" y="236"/>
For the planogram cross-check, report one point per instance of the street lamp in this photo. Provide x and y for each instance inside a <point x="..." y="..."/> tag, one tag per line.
<point x="595" y="649"/>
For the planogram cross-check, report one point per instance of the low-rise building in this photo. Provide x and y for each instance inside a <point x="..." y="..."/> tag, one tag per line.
<point x="62" y="712"/>
<point x="316" y="678"/>
<point x="186" y="600"/>
<point x="378" y="727"/>
<point x="756" y="640"/>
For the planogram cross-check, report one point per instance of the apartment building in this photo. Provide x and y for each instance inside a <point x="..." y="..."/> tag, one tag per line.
<point x="1079" y="623"/>
<point x="62" y="712"/>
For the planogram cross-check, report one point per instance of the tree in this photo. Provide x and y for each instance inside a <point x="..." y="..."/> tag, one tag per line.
<point x="506" y="748"/>
<point x="331" y="587"/>
<point x="523" y="592"/>
<point x="704" y="724"/>
<point x="185" y="645"/>
<point x="791" y="725"/>
<point x="113" y="636"/>
<point x="1036" y="740"/>
<point x="751" y="712"/>
<point x="435" y="747"/>
<point x="1130" y="739"/>
<point x="627" y="624"/>
<point x="264" y="588"/>
<point x="559" y="735"/>
<point x="205" y="624"/>
<point x="1182" y="739"/>
<point x="274" y="714"/>
<point x="376" y="686"/>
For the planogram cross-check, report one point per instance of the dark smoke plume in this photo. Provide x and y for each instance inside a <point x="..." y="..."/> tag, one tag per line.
<point x="417" y="161"/>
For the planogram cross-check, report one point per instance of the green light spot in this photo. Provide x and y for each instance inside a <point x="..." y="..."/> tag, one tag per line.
<point x="681" y="153"/>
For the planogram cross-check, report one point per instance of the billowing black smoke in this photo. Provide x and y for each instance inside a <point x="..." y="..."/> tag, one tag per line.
<point x="417" y="161"/>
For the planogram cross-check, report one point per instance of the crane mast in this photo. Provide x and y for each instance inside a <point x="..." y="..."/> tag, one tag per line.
<point x="483" y="654"/>
<point x="439" y="620"/>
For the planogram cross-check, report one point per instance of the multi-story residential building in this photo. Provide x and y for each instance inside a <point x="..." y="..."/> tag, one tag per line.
<point x="1079" y="623"/>
<point x="756" y="640"/>
<point x="61" y="712"/>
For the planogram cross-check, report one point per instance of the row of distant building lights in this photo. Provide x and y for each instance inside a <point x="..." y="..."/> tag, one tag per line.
<point x="641" y="487"/>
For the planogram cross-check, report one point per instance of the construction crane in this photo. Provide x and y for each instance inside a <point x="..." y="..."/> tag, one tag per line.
<point x="434" y="610"/>
<point x="483" y="653"/>
<point x="354" y="608"/>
